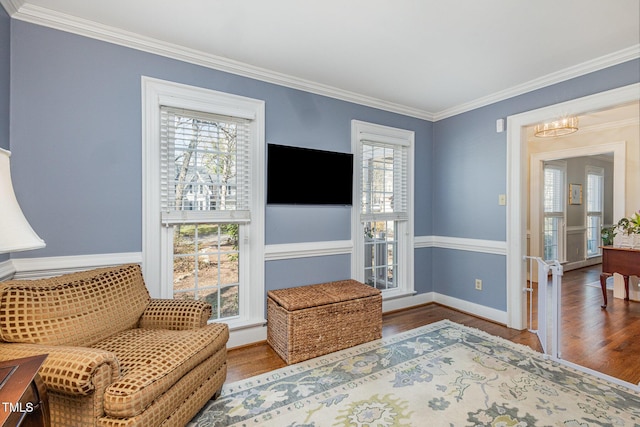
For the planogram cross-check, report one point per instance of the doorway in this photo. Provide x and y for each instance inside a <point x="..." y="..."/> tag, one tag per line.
<point x="518" y="186"/>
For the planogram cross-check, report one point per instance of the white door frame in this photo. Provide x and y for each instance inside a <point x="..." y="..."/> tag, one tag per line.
<point x="517" y="185"/>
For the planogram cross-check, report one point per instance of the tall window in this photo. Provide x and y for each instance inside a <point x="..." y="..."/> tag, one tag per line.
<point x="203" y="222"/>
<point x="382" y="209"/>
<point x="595" y="206"/>
<point x="554" y="215"/>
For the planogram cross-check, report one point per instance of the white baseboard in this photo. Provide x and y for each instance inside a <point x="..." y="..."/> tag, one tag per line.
<point x="246" y="336"/>
<point x="574" y="265"/>
<point x="488" y="313"/>
<point x="407" y="302"/>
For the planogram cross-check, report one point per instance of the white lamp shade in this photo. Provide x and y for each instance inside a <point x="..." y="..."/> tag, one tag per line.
<point x="15" y="232"/>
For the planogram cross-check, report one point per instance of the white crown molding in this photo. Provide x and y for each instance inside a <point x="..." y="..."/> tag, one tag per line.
<point x="64" y="22"/>
<point x="596" y="64"/>
<point x="17" y="9"/>
<point x="12" y="6"/>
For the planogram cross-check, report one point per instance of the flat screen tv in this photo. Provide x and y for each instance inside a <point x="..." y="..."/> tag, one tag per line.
<point x="303" y="176"/>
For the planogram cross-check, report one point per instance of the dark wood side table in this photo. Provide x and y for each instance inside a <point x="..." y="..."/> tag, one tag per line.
<point x="623" y="261"/>
<point x="23" y="396"/>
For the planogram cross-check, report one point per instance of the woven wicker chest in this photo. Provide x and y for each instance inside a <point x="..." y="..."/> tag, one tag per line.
<point x="309" y="321"/>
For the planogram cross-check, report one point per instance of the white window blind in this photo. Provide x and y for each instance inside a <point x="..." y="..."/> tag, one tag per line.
<point x="594" y="191"/>
<point x="595" y="206"/>
<point x="384" y="185"/>
<point x="205" y="167"/>
<point x="553" y="189"/>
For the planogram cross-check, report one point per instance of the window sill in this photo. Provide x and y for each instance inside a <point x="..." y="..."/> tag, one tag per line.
<point x="391" y="295"/>
<point x="239" y="324"/>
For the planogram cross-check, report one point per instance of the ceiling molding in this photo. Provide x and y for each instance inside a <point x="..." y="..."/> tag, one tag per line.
<point x="12" y="6"/>
<point x="64" y="22"/>
<point x="17" y="9"/>
<point x="610" y="60"/>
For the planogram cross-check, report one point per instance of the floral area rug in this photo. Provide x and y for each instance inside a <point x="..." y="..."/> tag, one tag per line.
<point x="443" y="374"/>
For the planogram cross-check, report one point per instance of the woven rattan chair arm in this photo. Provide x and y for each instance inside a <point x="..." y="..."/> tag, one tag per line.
<point x="69" y="370"/>
<point x="175" y="314"/>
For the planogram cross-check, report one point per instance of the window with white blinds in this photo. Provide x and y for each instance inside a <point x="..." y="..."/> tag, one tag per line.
<point x="382" y="215"/>
<point x="595" y="207"/>
<point x="554" y="211"/>
<point x="553" y="189"/>
<point x="203" y="155"/>
<point x="383" y="180"/>
<point x="205" y="167"/>
<point x="595" y="179"/>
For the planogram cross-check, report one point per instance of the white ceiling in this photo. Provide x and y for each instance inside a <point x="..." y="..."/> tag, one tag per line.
<point x="432" y="57"/>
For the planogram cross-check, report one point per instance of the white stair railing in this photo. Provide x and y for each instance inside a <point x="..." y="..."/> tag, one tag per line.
<point x="549" y="304"/>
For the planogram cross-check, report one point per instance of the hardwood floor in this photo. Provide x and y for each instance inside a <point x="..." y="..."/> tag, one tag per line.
<point x="604" y="340"/>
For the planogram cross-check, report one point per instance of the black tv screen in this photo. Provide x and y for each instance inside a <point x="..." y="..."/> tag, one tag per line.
<point x="303" y="176"/>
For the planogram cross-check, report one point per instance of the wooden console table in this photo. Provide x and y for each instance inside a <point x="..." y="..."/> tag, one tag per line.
<point x="23" y="397"/>
<point x="623" y="261"/>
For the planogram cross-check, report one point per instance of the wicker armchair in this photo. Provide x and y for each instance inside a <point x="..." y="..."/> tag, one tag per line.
<point x="116" y="357"/>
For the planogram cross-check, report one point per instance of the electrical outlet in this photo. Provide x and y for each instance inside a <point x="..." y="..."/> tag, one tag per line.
<point x="478" y="284"/>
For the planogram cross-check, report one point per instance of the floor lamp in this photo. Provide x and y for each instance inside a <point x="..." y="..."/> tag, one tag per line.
<point x="15" y="232"/>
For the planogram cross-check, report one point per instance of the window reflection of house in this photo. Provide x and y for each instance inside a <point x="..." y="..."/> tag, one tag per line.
<point x="204" y="193"/>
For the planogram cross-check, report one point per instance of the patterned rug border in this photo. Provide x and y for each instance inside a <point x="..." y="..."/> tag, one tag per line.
<point x="593" y="389"/>
<point x="330" y="358"/>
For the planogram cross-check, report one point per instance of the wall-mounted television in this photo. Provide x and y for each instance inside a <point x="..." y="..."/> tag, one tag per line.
<point x="303" y="176"/>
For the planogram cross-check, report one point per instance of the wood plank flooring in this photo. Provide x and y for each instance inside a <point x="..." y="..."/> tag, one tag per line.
<point x="604" y="340"/>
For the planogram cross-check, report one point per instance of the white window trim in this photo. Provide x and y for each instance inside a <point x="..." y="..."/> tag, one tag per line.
<point x="155" y="265"/>
<point x="363" y="130"/>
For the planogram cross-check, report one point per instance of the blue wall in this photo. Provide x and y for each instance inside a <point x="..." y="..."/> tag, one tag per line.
<point x="76" y="116"/>
<point x="469" y="169"/>
<point x="76" y="139"/>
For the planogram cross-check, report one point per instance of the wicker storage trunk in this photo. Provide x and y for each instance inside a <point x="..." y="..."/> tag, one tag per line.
<point x="310" y="321"/>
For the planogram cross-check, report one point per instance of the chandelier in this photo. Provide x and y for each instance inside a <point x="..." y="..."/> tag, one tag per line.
<point x="560" y="127"/>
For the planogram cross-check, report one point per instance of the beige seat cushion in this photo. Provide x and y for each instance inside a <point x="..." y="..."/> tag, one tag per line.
<point x="151" y="361"/>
